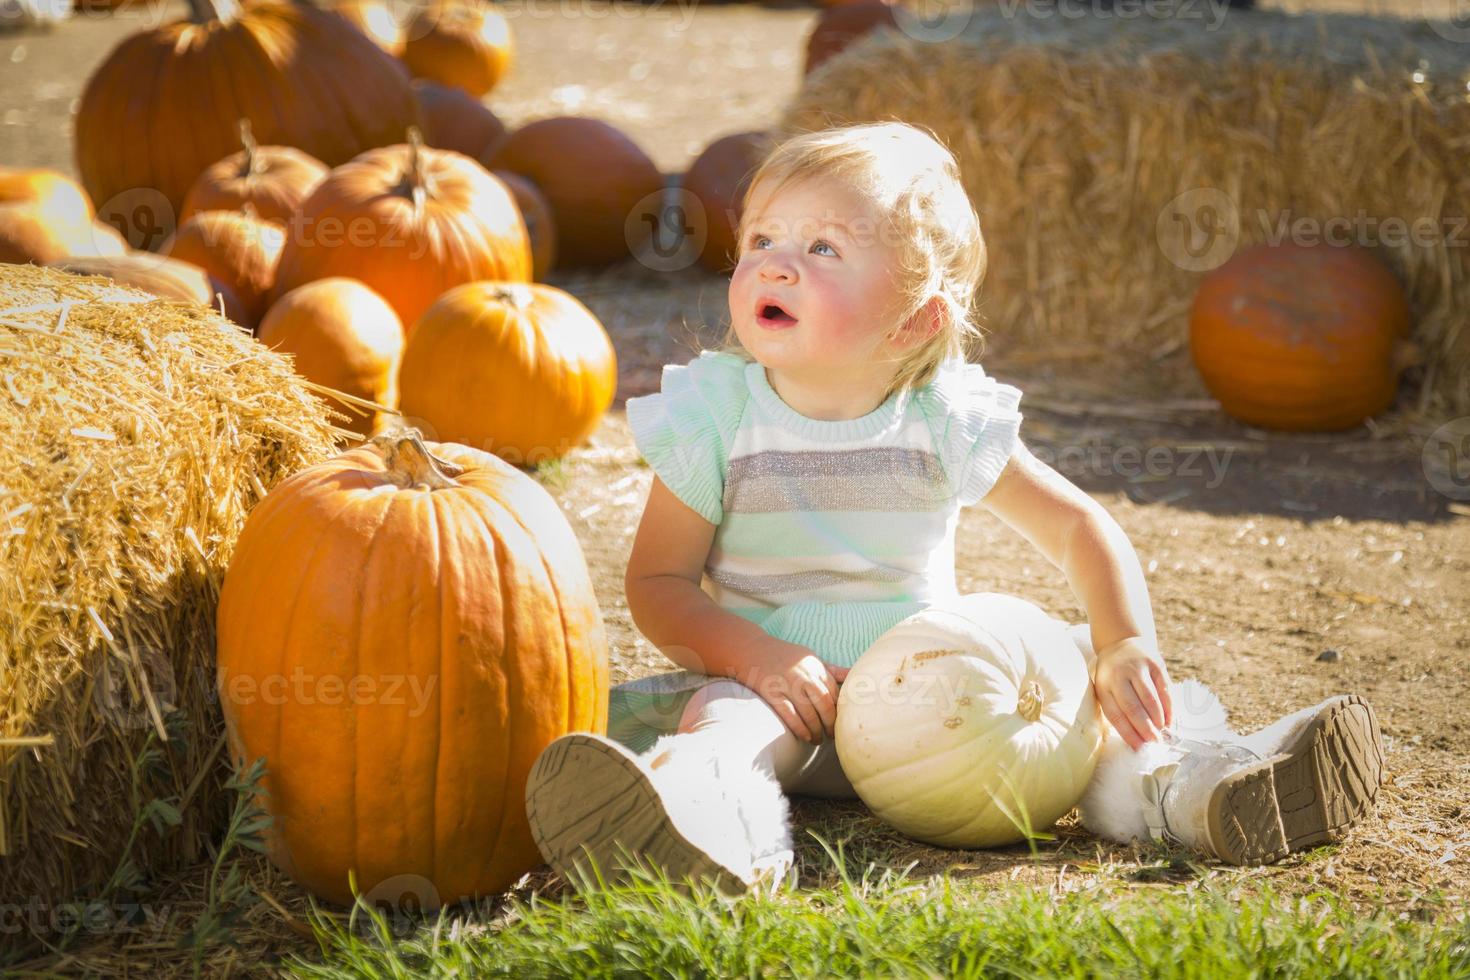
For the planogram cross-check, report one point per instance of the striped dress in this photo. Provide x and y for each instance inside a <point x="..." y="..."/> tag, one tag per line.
<point x="828" y="533"/>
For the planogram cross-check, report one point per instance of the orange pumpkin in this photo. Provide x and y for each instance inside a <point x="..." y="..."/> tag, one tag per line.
<point x="1301" y="337"/>
<point x="273" y="180"/>
<point x="410" y="222"/>
<point x="167" y="102"/>
<point x="238" y="249"/>
<point x="839" y="26"/>
<point x="452" y="120"/>
<point x="164" y="277"/>
<point x="376" y="19"/>
<point x="523" y="371"/>
<point x="596" y="180"/>
<point x="31" y="233"/>
<point x="462" y="43"/>
<point x="341" y="335"/>
<point x="718" y="179"/>
<point x="540" y="225"/>
<point x="54" y="193"/>
<point x="399" y="637"/>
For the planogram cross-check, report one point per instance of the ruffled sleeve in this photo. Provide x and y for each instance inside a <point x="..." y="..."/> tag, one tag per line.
<point x="685" y="431"/>
<point x="976" y="423"/>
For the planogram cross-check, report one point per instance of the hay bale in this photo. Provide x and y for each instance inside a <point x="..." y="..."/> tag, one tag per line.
<point x="138" y="433"/>
<point x="1077" y="139"/>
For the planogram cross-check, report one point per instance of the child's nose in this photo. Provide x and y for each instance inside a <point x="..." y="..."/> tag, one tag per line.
<point x="777" y="269"/>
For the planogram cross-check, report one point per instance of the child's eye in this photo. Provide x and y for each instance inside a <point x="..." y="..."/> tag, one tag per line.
<point x="756" y="239"/>
<point x="820" y="244"/>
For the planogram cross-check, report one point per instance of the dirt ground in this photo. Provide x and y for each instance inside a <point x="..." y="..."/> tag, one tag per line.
<point x="1263" y="550"/>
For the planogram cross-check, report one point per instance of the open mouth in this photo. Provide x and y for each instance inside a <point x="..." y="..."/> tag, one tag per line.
<point x="773" y="315"/>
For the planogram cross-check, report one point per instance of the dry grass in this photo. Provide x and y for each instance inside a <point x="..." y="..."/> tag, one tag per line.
<point x="1077" y="139"/>
<point x="138" y="434"/>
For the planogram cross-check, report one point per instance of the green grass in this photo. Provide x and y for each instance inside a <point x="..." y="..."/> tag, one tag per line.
<point x="889" y="925"/>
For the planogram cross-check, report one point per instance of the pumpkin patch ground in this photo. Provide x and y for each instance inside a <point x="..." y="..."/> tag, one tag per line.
<point x="1282" y="567"/>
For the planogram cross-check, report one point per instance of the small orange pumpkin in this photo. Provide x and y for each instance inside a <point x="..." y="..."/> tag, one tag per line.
<point x="462" y="43"/>
<point x="410" y="222"/>
<point x="838" y="27"/>
<point x="523" y="371"/>
<point x="236" y="248"/>
<point x="29" y="232"/>
<point x="452" y="120"/>
<point x="341" y="335"/>
<point x="718" y="180"/>
<point x="376" y="19"/>
<point x="595" y="179"/>
<point x="56" y="194"/>
<point x="540" y="225"/>
<point x="402" y="630"/>
<point x="1304" y="337"/>
<point x="273" y="180"/>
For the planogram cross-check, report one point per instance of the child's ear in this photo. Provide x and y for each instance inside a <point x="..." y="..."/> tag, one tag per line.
<point x="927" y="321"/>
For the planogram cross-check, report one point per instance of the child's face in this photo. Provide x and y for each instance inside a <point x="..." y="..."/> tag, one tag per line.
<point x="818" y="251"/>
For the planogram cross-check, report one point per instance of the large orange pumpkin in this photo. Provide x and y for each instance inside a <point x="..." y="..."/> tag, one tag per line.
<point x="463" y="43"/>
<point x="410" y="222"/>
<point x="451" y="120"/>
<point x="840" y="26"/>
<point x="596" y="180"/>
<point x="342" y="335"/>
<point x="523" y="371"/>
<point x="1301" y="337"/>
<point x="399" y="638"/>
<point x="238" y="249"/>
<point x="272" y="180"/>
<point x="540" y="225"/>
<point x="167" y="102"/>
<point x="718" y="180"/>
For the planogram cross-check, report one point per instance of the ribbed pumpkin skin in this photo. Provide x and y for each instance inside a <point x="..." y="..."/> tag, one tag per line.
<point x="273" y="180"/>
<point x="342" y="335"/>
<point x="1300" y="337"/>
<point x="238" y="250"/>
<point x="462" y="43"/>
<point x="473" y="602"/>
<point x="468" y="227"/>
<point x="593" y="176"/>
<point x="166" y="103"/>
<point x="958" y="709"/>
<point x="525" y="372"/>
<point x="719" y="178"/>
<point x="540" y="225"/>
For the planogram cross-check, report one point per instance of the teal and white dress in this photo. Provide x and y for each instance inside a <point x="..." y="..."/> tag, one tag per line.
<point x="828" y="533"/>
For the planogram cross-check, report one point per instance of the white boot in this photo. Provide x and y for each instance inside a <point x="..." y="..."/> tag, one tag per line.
<point x="683" y="806"/>
<point x="1245" y="799"/>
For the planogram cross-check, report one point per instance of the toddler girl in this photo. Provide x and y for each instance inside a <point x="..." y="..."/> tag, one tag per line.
<point x="807" y="486"/>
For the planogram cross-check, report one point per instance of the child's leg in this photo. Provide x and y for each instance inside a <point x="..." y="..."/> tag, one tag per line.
<point x="1245" y="799"/>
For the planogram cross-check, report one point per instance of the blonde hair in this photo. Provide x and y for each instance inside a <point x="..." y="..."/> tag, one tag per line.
<point x="914" y="183"/>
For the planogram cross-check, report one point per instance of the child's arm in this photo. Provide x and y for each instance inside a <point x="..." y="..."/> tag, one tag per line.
<point x="1078" y="535"/>
<point x="669" y="607"/>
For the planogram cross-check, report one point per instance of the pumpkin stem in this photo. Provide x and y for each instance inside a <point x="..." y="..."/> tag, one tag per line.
<point x="1029" y="705"/>
<point x="416" y="183"/>
<point x="224" y="11"/>
<point x="409" y="463"/>
<point x="513" y="294"/>
<point x="247" y="140"/>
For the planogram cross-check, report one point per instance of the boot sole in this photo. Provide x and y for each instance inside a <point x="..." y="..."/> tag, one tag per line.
<point x="1308" y="794"/>
<point x="588" y="800"/>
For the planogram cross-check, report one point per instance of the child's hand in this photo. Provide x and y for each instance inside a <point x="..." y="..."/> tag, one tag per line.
<point x="1133" y="690"/>
<point x="799" y="686"/>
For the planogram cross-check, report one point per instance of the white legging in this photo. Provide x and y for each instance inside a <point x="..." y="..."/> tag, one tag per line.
<point x="749" y="728"/>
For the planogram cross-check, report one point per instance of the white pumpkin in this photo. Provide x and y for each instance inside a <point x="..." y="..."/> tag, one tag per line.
<point x="969" y="721"/>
